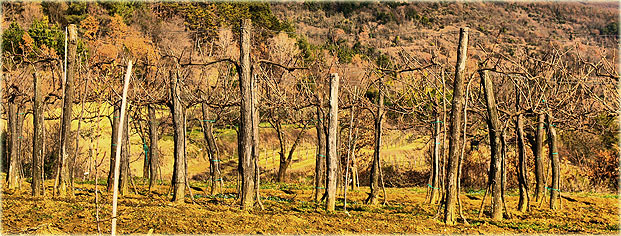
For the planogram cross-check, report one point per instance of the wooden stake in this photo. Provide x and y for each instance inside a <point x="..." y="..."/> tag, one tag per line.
<point x="119" y="135"/>
<point x="332" y="158"/>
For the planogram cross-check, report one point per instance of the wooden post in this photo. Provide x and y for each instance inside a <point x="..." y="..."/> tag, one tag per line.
<point x="555" y="190"/>
<point x="539" y="163"/>
<point x="246" y="162"/>
<point x="455" y="129"/>
<point x="494" y="175"/>
<point x="38" y="140"/>
<point x="65" y="128"/>
<point x="178" y="180"/>
<point x="119" y="137"/>
<point x="332" y="158"/>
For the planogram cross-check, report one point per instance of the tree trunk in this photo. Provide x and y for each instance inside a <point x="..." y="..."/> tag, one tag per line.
<point x="20" y="131"/>
<point x="124" y="161"/>
<point x="282" y="168"/>
<point x="494" y="175"/>
<point x="283" y="162"/>
<point x="178" y="181"/>
<point x="246" y="162"/>
<point x="503" y="171"/>
<point x="255" y="137"/>
<point x="146" y="168"/>
<point x="522" y="171"/>
<point x="435" y="164"/>
<point x="376" y="165"/>
<point x="13" y="177"/>
<point x="320" y="161"/>
<point x="455" y="129"/>
<point x="37" y="141"/>
<point x="212" y="149"/>
<point x="115" y="127"/>
<point x="556" y="165"/>
<point x="332" y="158"/>
<point x="124" y="177"/>
<point x="538" y="152"/>
<point x="65" y="128"/>
<point x="154" y="150"/>
<point x="285" y="159"/>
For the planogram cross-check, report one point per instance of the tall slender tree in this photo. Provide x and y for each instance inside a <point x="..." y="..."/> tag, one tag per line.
<point x="376" y="164"/>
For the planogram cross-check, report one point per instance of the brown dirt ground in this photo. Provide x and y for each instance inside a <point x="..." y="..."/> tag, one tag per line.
<point x="292" y="213"/>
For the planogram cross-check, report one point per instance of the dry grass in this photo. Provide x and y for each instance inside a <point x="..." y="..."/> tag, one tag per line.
<point x="294" y="213"/>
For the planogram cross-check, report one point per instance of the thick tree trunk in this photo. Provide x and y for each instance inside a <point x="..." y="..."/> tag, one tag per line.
<point x="37" y="141"/>
<point x="555" y="162"/>
<point x="332" y="158"/>
<point x="522" y="170"/>
<point x="320" y="161"/>
<point x="376" y="165"/>
<point x="435" y="164"/>
<point x="539" y="163"/>
<point x="494" y="175"/>
<point x="13" y="177"/>
<point x="246" y="162"/>
<point x="178" y="181"/>
<point x="455" y="129"/>
<point x="285" y="159"/>
<point x="212" y="149"/>
<point x="65" y="128"/>
<point x="282" y="169"/>
<point x="153" y="146"/>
